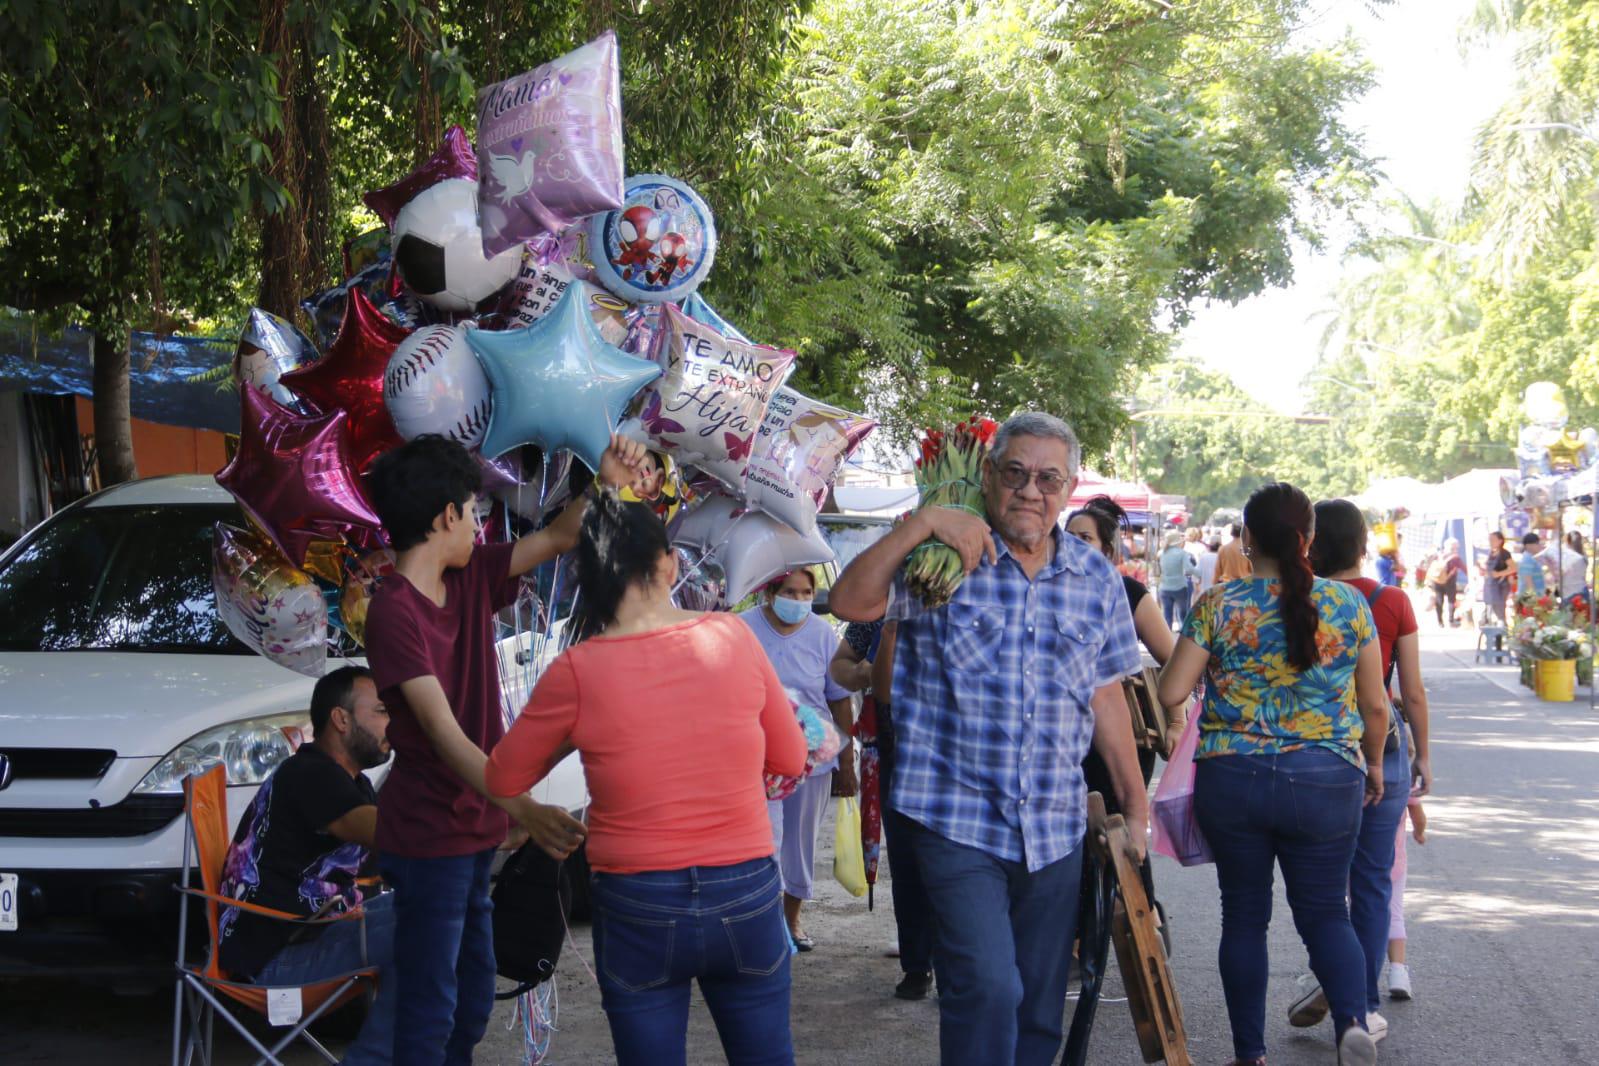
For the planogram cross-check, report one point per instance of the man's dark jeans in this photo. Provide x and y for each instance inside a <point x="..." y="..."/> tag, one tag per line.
<point x="443" y="956"/>
<point x="1301" y="810"/>
<point x="912" y="916"/>
<point x="1004" y="941"/>
<point x="657" y="932"/>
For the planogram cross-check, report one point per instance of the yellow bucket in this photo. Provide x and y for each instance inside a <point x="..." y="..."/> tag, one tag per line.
<point x="1557" y="679"/>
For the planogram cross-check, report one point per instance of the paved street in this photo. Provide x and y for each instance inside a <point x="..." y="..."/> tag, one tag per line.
<point x="1503" y="913"/>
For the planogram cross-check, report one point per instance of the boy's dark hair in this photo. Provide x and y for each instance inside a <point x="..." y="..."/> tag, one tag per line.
<point x="334" y="689"/>
<point x="1237" y="530"/>
<point x="1531" y="538"/>
<point x="413" y="484"/>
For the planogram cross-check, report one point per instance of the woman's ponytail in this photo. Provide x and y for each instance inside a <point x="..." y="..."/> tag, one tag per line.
<point x="620" y="545"/>
<point x="1281" y="523"/>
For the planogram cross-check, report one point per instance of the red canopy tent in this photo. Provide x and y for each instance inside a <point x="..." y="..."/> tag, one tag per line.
<point x="1131" y="495"/>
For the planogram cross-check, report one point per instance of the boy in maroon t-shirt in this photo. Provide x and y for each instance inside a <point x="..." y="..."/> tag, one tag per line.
<point x="430" y="643"/>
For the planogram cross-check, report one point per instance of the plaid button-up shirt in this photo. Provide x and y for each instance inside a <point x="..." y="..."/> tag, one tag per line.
<point x="991" y="700"/>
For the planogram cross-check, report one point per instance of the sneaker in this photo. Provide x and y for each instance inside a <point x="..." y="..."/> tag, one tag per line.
<point x="1398" y="981"/>
<point x="1376" y="1025"/>
<point x="1311" y="1007"/>
<point x="914" y="986"/>
<point x="1356" y="1048"/>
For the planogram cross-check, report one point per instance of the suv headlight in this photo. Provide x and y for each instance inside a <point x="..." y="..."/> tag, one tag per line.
<point x="250" y="750"/>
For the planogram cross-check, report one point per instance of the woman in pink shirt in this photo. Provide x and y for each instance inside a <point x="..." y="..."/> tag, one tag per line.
<point x="676" y="715"/>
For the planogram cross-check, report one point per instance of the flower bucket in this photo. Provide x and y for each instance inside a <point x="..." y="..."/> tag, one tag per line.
<point x="1557" y="679"/>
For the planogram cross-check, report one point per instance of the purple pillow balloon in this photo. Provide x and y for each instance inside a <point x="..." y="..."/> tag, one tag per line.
<point x="549" y="146"/>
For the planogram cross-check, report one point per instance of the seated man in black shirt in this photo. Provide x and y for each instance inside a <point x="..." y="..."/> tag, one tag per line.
<point x="298" y="849"/>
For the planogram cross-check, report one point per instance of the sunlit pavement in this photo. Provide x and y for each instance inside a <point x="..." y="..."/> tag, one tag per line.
<point x="1503" y="915"/>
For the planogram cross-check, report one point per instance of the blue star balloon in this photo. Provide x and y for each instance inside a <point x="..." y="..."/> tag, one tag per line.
<point x="557" y="383"/>
<point x="696" y="308"/>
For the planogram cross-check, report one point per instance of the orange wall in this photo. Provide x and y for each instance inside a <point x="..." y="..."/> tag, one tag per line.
<point x="160" y="449"/>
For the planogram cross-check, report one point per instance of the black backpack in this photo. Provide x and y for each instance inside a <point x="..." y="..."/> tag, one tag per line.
<point x="532" y="904"/>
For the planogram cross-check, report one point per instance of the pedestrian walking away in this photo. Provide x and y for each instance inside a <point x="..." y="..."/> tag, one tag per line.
<point x="1177" y="570"/>
<point x="1338" y="554"/>
<point x="1287" y="658"/>
<point x="1034" y="643"/>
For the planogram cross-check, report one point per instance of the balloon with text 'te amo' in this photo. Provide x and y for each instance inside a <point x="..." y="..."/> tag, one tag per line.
<point x="549" y="146"/>
<point x="710" y="402"/>
<point x="349" y="378"/>
<point x="658" y="246"/>
<point x="273" y="609"/>
<point x="557" y="383"/>
<point x="295" y="476"/>
<point x="434" y="384"/>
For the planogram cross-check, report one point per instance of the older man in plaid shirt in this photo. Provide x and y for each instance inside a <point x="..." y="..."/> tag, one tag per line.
<point x="997" y="696"/>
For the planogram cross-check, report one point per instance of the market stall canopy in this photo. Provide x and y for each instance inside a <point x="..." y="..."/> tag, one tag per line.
<point x="1131" y="495"/>
<point x="162" y="373"/>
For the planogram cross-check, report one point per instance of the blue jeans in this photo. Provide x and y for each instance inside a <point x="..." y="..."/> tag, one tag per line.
<point x="1371" y="874"/>
<point x="1301" y="810"/>
<point x="1004" y="940"/>
<point x="443" y="956"/>
<point x="656" y="932"/>
<point x="337" y="950"/>
<point x="1174" y="605"/>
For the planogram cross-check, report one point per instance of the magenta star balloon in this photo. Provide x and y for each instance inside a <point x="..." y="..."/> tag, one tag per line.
<point x="295" y="476"/>
<point x="350" y="377"/>
<point x="454" y="159"/>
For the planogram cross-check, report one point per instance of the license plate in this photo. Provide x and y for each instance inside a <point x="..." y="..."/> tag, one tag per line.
<point x="8" y="903"/>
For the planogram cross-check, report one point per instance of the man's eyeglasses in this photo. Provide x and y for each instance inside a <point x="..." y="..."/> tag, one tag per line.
<point x="1016" y="477"/>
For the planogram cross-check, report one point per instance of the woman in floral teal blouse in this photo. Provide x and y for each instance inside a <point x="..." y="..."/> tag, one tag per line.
<point x="1291" y="738"/>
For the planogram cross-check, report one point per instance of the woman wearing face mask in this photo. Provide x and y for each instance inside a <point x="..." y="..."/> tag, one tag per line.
<point x="801" y="646"/>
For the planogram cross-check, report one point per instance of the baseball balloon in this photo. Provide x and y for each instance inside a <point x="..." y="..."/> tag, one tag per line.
<point x="434" y="384"/>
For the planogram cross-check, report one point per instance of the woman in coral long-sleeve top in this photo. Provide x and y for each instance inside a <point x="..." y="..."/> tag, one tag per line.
<point x="676" y="715"/>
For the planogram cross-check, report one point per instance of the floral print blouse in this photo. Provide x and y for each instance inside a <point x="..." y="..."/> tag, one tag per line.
<point x="1256" y="703"/>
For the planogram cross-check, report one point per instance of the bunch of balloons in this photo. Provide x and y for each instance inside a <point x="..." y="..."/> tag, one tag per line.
<point x="526" y="300"/>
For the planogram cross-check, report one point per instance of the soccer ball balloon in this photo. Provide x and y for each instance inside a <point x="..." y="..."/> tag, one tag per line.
<point x="439" y="248"/>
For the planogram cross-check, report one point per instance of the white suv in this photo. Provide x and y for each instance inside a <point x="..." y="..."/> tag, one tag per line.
<point x="117" y="679"/>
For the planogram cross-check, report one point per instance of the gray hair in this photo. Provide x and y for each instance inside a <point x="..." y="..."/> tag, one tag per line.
<point x="1038" y="424"/>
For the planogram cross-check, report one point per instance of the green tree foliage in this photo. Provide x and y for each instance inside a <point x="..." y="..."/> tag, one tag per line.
<point x="1440" y="327"/>
<point x="1199" y="435"/>
<point x="1011" y="203"/>
<point x="942" y="205"/>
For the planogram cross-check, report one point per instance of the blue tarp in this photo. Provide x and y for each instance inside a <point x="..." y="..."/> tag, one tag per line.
<point x="160" y="372"/>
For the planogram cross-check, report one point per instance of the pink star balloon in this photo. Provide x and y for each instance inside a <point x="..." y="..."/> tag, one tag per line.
<point x="295" y="476"/>
<point x="350" y="378"/>
<point x="454" y="159"/>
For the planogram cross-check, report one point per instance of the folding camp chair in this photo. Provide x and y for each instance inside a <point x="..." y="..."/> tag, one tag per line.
<point x="205" y="843"/>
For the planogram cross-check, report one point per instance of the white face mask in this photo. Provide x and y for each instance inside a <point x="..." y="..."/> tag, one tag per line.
<point x="791" y="612"/>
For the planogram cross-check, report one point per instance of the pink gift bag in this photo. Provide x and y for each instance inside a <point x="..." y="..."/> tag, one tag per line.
<point x="1176" y="827"/>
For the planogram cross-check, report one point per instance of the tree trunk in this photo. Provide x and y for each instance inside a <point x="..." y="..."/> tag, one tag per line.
<point x="113" y="426"/>
<point x="294" y="240"/>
